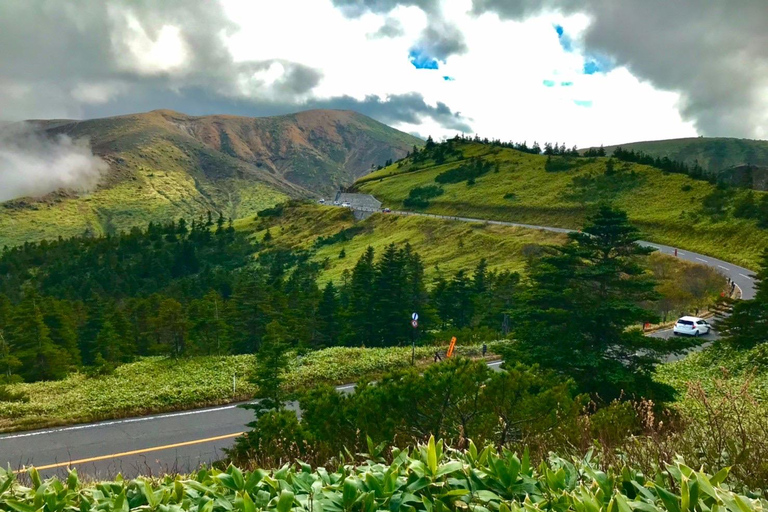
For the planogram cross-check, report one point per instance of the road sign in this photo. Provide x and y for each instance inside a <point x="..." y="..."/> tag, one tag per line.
<point x="415" y="323"/>
<point x="415" y="316"/>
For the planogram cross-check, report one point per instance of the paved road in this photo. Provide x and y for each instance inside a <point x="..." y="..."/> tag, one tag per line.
<point x="183" y="441"/>
<point x="150" y="445"/>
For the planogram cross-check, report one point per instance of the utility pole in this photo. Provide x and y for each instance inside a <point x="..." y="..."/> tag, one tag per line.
<point x="415" y="325"/>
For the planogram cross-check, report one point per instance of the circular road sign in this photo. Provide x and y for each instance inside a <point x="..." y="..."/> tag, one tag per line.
<point x="414" y="323"/>
<point x="415" y="316"/>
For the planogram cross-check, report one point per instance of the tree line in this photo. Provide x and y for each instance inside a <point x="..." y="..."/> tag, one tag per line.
<point x="182" y="289"/>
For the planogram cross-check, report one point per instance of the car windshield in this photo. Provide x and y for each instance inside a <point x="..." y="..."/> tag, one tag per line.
<point x="685" y="322"/>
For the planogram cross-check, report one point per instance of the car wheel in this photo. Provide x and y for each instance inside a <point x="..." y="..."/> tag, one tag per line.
<point x="696" y="334"/>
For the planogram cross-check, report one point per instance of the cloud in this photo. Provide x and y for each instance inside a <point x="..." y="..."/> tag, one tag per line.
<point x="715" y="54"/>
<point x="58" y="56"/>
<point x="439" y="39"/>
<point x="390" y="28"/>
<point x="32" y="165"/>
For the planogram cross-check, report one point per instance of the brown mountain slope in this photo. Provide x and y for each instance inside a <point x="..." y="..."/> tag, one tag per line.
<point x="164" y="164"/>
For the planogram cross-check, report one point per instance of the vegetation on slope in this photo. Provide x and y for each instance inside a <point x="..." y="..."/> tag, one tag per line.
<point x="164" y="164"/>
<point x="187" y="383"/>
<point x="737" y="161"/>
<point x="668" y="208"/>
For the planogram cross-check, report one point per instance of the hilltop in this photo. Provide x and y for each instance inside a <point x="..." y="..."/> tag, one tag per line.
<point x="736" y="161"/>
<point x="492" y="182"/>
<point x="165" y="164"/>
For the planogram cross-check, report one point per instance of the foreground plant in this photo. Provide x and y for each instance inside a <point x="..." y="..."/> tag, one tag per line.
<point x="428" y="478"/>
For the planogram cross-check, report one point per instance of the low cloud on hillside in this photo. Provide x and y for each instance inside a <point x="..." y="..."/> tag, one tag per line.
<point x="34" y="165"/>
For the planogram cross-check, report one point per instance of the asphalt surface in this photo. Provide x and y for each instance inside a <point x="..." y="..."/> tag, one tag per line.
<point x="181" y="442"/>
<point x="150" y="445"/>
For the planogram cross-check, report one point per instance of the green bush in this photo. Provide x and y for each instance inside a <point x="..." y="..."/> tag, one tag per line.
<point x="419" y="197"/>
<point x="428" y="477"/>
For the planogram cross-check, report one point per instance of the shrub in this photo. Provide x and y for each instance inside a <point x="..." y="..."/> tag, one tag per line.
<point x="419" y="197"/>
<point x="466" y="172"/>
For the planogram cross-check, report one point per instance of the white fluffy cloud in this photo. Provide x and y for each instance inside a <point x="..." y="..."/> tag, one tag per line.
<point x="514" y="81"/>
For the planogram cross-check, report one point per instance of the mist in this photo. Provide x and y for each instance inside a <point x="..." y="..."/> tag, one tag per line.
<point x="33" y="164"/>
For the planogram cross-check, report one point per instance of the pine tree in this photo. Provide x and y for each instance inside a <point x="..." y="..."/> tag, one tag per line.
<point x="170" y="328"/>
<point x="31" y="343"/>
<point x="271" y="365"/>
<point x="747" y="326"/>
<point x="575" y="316"/>
<point x="391" y="315"/>
<point x="361" y="327"/>
<point x="209" y="333"/>
<point x="328" y="315"/>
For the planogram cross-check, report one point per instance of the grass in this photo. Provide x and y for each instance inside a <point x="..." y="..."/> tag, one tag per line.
<point x="523" y="191"/>
<point x="445" y="245"/>
<point x="186" y="384"/>
<point x="719" y="368"/>
<point x="152" y="194"/>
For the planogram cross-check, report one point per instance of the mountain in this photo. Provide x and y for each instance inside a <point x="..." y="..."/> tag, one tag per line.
<point x="165" y="164"/>
<point x="486" y="181"/>
<point x="737" y="161"/>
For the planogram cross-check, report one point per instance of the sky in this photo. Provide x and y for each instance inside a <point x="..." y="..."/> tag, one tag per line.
<point x="580" y="72"/>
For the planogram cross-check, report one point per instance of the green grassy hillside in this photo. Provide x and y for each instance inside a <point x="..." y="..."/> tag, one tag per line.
<point x="445" y="246"/>
<point x="667" y="207"/>
<point x="164" y="164"/>
<point x="736" y="160"/>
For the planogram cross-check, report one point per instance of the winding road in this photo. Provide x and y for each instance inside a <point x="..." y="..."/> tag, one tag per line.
<point x="182" y="441"/>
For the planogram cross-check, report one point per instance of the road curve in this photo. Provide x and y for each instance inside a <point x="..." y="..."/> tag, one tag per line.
<point x="181" y="442"/>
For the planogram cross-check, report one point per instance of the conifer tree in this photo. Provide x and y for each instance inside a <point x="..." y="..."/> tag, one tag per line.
<point x="31" y="343"/>
<point x="747" y="326"/>
<point x="575" y="316"/>
<point x="328" y="315"/>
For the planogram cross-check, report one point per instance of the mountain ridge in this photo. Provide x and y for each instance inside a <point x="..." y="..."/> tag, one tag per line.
<point x="736" y="161"/>
<point x="165" y="163"/>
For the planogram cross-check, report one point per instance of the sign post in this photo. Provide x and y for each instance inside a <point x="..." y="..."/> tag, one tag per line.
<point x="415" y="325"/>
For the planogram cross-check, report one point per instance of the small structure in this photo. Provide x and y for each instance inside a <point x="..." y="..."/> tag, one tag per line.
<point x="363" y="205"/>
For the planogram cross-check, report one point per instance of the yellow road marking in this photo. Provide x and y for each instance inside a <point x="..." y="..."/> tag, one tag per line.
<point x="133" y="452"/>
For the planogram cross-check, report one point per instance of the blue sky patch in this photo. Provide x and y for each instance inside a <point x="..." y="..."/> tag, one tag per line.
<point x="549" y="83"/>
<point x="583" y="103"/>
<point x="421" y="60"/>
<point x="591" y="67"/>
<point x="565" y="40"/>
<point x="448" y="78"/>
<point x="597" y="64"/>
<point x="566" y="84"/>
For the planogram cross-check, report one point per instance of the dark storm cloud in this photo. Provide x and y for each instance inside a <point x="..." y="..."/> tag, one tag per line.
<point x="73" y="60"/>
<point x="58" y="56"/>
<point x="715" y="53"/>
<point x="439" y="40"/>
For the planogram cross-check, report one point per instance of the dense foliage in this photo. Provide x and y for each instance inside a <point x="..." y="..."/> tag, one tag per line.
<point x="419" y="197"/>
<point x="459" y="399"/>
<point x="427" y="478"/>
<point x="747" y="326"/>
<point x="575" y="314"/>
<point x="665" y="163"/>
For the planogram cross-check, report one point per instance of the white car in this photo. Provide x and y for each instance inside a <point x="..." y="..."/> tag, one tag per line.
<point x="345" y="205"/>
<point x="691" y="326"/>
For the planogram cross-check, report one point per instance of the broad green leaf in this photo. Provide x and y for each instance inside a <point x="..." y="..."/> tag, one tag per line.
<point x="432" y="455"/>
<point x="285" y="503"/>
